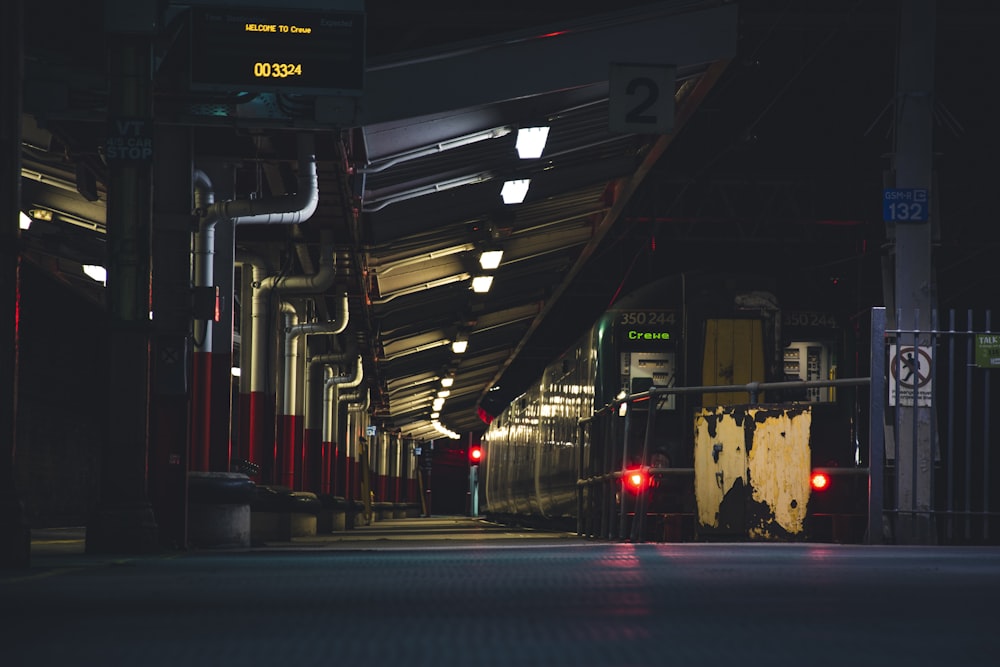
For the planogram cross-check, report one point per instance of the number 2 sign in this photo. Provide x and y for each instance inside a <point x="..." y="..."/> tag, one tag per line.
<point x="641" y="98"/>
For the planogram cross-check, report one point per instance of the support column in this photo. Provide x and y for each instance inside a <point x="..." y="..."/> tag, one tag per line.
<point x="914" y="298"/>
<point x="123" y="521"/>
<point x="15" y="536"/>
<point x="220" y="452"/>
<point x="170" y="395"/>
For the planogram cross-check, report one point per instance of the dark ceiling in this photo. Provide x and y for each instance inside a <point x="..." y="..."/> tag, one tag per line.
<point x="783" y="131"/>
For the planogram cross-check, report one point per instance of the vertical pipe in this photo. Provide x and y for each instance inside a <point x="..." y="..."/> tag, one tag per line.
<point x="913" y="166"/>
<point x="968" y="422"/>
<point x="986" y="447"/>
<point x="876" y="432"/>
<point x="289" y="419"/>
<point x="220" y="453"/>
<point x="201" y="393"/>
<point x="621" y="482"/>
<point x="608" y="511"/>
<point x="326" y="440"/>
<point x="950" y="439"/>
<point x="15" y="536"/>
<point x="580" y="523"/>
<point x="123" y="521"/>
<point x="170" y="395"/>
<point x="642" y="498"/>
<point x="396" y="471"/>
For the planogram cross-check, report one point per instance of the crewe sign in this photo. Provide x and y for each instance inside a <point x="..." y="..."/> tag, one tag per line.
<point x="272" y="50"/>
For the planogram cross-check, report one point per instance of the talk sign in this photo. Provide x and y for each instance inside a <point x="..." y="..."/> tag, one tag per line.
<point x="988" y="350"/>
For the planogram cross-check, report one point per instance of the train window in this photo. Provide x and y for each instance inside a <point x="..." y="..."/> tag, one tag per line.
<point x="643" y="370"/>
<point x="811" y="360"/>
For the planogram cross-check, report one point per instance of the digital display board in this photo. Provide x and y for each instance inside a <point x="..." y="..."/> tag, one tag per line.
<point x="272" y="50"/>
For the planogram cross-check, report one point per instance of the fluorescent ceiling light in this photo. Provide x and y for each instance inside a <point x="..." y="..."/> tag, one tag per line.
<point x="531" y="141"/>
<point x="443" y="393"/>
<point x="459" y="346"/>
<point x="513" y="192"/>
<point x="445" y="431"/>
<point x="482" y="284"/>
<point x="25" y="221"/>
<point x="98" y="273"/>
<point x="447" y="382"/>
<point x="435" y="415"/>
<point x="437" y="404"/>
<point x="490" y="259"/>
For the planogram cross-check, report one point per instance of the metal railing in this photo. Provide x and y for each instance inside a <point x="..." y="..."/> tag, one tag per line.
<point x="935" y="417"/>
<point x="931" y="462"/>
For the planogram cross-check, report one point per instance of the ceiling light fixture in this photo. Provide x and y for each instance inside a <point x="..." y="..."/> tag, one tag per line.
<point x="513" y="192"/>
<point x="383" y="163"/>
<point x="482" y="284"/>
<point x="95" y="272"/>
<point x="460" y="344"/>
<point x="447" y="381"/>
<point x="43" y="214"/>
<point x="445" y="431"/>
<point x="24" y="219"/>
<point x="531" y="142"/>
<point x="437" y="404"/>
<point x="490" y="259"/>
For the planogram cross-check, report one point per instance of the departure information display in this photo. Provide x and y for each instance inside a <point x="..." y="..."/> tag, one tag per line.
<point x="272" y="50"/>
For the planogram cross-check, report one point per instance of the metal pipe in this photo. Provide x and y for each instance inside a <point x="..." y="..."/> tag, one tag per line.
<point x="289" y="209"/>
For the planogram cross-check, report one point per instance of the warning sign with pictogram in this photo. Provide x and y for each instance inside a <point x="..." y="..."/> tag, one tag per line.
<point x="909" y="375"/>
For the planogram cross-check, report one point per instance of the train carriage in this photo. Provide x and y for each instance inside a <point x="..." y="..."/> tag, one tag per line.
<point x="690" y="348"/>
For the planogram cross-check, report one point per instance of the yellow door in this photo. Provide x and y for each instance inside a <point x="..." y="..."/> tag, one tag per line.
<point x="734" y="355"/>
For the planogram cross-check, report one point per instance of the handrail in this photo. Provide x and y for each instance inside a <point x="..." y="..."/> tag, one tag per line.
<point x="752" y="388"/>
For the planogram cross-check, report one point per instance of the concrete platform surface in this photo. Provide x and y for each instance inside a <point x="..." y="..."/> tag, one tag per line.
<point x="459" y="591"/>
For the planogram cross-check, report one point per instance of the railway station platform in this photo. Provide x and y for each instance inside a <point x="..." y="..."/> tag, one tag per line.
<point x="447" y="591"/>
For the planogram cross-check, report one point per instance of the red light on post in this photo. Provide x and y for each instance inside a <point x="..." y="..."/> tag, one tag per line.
<point x="635" y="480"/>
<point x="475" y="454"/>
<point x="819" y="481"/>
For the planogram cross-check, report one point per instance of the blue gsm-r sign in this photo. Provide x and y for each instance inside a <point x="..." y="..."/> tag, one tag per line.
<point x="905" y="205"/>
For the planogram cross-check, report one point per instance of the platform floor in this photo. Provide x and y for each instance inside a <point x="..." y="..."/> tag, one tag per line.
<point x="459" y="591"/>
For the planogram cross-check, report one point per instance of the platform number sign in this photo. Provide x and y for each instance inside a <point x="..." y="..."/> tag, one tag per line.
<point x="905" y="205"/>
<point x="641" y="98"/>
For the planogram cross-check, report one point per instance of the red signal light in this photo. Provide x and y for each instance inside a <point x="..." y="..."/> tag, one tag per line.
<point x="635" y="480"/>
<point x="475" y="454"/>
<point x="819" y="481"/>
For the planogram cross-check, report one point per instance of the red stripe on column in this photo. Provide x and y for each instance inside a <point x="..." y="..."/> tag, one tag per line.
<point x="326" y="467"/>
<point x="381" y="487"/>
<point x="260" y="434"/>
<point x="288" y="450"/>
<point x="312" y="445"/>
<point x="201" y="405"/>
<point x="220" y="412"/>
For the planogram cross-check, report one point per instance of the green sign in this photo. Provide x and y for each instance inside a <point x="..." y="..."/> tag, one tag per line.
<point x="988" y="350"/>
